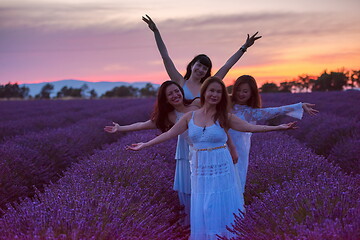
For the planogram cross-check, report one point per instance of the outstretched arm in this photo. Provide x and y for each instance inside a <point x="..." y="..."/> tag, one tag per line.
<point x="243" y="126"/>
<point x="177" y="129"/>
<point x="237" y="55"/>
<point x="293" y="110"/>
<point x="169" y="64"/>
<point x="132" y="127"/>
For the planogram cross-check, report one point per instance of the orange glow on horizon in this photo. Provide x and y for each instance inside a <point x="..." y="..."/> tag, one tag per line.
<point x="278" y="73"/>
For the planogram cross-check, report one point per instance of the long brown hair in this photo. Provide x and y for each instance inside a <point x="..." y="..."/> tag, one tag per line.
<point x="255" y="98"/>
<point x="222" y="108"/>
<point x="162" y="108"/>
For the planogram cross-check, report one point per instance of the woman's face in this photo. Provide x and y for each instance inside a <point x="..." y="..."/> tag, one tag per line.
<point x="199" y="70"/>
<point x="174" y="95"/>
<point x="243" y="94"/>
<point x="213" y="93"/>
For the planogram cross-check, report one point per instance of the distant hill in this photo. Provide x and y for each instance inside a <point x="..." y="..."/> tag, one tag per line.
<point x="99" y="87"/>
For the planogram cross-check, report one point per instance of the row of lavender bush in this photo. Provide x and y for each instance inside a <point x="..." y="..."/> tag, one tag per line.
<point x="13" y="110"/>
<point x="339" y="103"/>
<point x="291" y="193"/>
<point x="53" y="114"/>
<point x="334" y="132"/>
<point x="36" y="158"/>
<point x="114" y="194"/>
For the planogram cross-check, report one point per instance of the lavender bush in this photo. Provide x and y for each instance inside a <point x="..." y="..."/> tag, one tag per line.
<point x="325" y="207"/>
<point x="346" y="154"/>
<point x="114" y="194"/>
<point x="276" y="158"/>
<point x="35" y="159"/>
<point x="292" y="193"/>
<point x="58" y="114"/>
<point x="337" y="123"/>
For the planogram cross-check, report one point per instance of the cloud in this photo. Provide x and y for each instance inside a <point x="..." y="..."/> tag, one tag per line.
<point x="54" y="40"/>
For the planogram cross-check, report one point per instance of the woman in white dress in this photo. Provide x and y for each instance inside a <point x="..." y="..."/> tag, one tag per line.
<point x="246" y="105"/>
<point x="169" y="108"/>
<point x="215" y="190"/>
<point x="199" y="68"/>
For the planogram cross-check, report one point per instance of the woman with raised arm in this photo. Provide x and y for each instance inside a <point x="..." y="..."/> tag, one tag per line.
<point x="215" y="187"/>
<point x="246" y="104"/>
<point x="199" y="68"/>
<point x="169" y="107"/>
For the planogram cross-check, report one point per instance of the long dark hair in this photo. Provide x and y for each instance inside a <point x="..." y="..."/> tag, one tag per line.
<point x="255" y="98"/>
<point x="222" y="108"/>
<point x="162" y="108"/>
<point x="203" y="59"/>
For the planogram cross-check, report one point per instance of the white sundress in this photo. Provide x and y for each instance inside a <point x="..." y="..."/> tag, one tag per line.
<point x="215" y="192"/>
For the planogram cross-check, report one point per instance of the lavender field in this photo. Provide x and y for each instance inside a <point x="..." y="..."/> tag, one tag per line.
<point x="63" y="177"/>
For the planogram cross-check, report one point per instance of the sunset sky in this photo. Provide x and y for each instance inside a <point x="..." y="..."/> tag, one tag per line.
<point x="50" y="40"/>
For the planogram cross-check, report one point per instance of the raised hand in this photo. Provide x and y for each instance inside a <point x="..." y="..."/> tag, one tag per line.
<point x="136" y="146"/>
<point x="250" y="40"/>
<point x="112" y="129"/>
<point x="150" y="23"/>
<point x="308" y="108"/>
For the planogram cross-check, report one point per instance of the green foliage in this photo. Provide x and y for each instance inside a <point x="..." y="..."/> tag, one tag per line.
<point x="69" y="92"/>
<point x="148" y="90"/>
<point x="269" y="87"/>
<point x="45" y="91"/>
<point x="129" y="91"/>
<point x="13" y="91"/>
<point x="335" y="81"/>
<point x="121" y="91"/>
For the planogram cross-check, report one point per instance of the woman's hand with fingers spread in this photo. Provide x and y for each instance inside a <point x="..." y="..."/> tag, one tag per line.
<point x="251" y="40"/>
<point x="112" y="129"/>
<point x="308" y="108"/>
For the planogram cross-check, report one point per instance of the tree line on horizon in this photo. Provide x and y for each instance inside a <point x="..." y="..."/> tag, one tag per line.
<point x="14" y="91"/>
<point x="333" y="81"/>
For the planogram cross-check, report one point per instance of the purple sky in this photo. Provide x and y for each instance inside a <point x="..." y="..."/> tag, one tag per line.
<point x="43" y="40"/>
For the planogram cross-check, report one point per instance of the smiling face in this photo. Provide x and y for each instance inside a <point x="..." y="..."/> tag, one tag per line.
<point x="174" y="95"/>
<point x="243" y="94"/>
<point x="199" y="70"/>
<point x="213" y="93"/>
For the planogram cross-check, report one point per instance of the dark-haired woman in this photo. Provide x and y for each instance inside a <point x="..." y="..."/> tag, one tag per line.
<point x="215" y="191"/>
<point x="246" y="102"/>
<point x="199" y="68"/>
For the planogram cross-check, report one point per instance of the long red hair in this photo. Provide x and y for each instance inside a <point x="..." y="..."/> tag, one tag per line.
<point x="162" y="108"/>
<point x="222" y="108"/>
